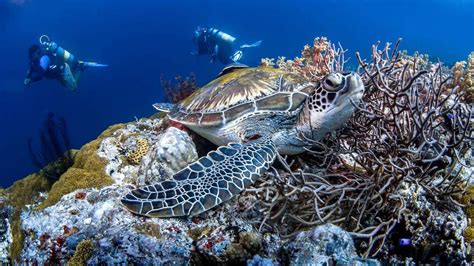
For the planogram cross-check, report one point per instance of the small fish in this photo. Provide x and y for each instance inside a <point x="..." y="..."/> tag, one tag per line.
<point x="404" y="242"/>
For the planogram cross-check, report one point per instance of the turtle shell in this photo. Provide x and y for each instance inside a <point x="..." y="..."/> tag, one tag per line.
<point x="240" y="92"/>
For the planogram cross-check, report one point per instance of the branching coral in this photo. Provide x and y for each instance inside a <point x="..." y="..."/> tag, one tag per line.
<point x="411" y="128"/>
<point x="180" y="91"/>
<point x="315" y="62"/>
<point x="54" y="155"/>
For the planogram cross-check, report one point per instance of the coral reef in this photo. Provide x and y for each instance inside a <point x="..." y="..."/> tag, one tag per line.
<point x="168" y="151"/>
<point x="176" y="148"/>
<point x="181" y="90"/>
<point x="94" y="228"/>
<point x="5" y="231"/>
<point x="323" y="245"/>
<point x="101" y="220"/>
<point x="31" y="190"/>
<point x="87" y="171"/>
<point x="22" y="193"/>
<point x="327" y="244"/>
<point x="412" y="128"/>
<point x="468" y="201"/>
<point x="392" y="181"/>
<point x="434" y="229"/>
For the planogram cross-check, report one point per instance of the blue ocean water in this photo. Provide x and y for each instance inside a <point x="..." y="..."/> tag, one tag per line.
<point x="142" y="40"/>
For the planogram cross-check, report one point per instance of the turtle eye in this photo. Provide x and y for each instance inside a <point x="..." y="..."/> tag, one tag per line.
<point x="333" y="82"/>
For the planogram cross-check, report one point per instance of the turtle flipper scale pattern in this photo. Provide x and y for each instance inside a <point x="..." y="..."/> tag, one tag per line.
<point x="206" y="183"/>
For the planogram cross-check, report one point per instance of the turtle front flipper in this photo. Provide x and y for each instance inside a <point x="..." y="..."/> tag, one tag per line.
<point x="163" y="107"/>
<point x="206" y="183"/>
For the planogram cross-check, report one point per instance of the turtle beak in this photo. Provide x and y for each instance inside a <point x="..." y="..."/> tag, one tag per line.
<point x="355" y="84"/>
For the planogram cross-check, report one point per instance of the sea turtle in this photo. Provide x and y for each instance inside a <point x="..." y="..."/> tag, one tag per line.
<point x="252" y="114"/>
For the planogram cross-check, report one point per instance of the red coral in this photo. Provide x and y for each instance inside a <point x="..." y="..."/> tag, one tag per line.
<point x="56" y="256"/>
<point x="43" y="239"/>
<point x="208" y="245"/>
<point x="66" y="229"/>
<point x="181" y="90"/>
<point x="69" y="231"/>
<point x="174" y="229"/>
<point x="196" y="220"/>
<point x="211" y="242"/>
<point x="60" y="241"/>
<point x="81" y="195"/>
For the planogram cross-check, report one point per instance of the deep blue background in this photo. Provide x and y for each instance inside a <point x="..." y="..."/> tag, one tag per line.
<point x="142" y="40"/>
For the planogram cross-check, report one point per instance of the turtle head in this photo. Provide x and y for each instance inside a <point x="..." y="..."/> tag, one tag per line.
<point x="330" y="104"/>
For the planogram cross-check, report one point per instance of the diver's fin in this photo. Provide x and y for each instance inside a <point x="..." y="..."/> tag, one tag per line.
<point x="231" y="68"/>
<point x="255" y="44"/>
<point x="206" y="183"/>
<point x="163" y="107"/>
<point x="91" y="64"/>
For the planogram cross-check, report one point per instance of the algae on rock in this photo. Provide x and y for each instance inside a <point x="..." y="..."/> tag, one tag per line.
<point x="83" y="252"/>
<point x="86" y="172"/>
<point x="23" y="192"/>
<point x="468" y="200"/>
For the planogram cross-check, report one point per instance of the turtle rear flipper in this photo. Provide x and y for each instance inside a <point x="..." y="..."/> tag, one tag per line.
<point x="204" y="184"/>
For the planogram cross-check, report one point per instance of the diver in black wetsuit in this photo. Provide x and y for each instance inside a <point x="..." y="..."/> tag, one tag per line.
<point x="219" y="45"/>
<point x="50" y="61"/>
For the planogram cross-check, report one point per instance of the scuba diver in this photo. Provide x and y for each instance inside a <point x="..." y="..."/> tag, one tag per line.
<point x="50" y="61"/>
<point x="219" y="45"/>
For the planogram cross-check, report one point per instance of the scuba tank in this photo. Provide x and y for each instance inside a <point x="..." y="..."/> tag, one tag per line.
<point x="56" y="50"/>
<point x="221" y="35"/>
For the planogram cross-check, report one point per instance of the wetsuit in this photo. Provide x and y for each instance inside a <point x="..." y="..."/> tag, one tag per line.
<point x="219" y="45"/>
<point x="49" y="66"/>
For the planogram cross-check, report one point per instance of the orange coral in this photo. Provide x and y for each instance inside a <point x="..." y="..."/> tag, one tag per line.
<point x="463" y="76"/>
<point x="468" y="79"/>
<point x="315" y="62"/>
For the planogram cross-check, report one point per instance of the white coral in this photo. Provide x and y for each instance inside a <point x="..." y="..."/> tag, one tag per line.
<point x="169" y="152"/>
<point x="176" y="148"/>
